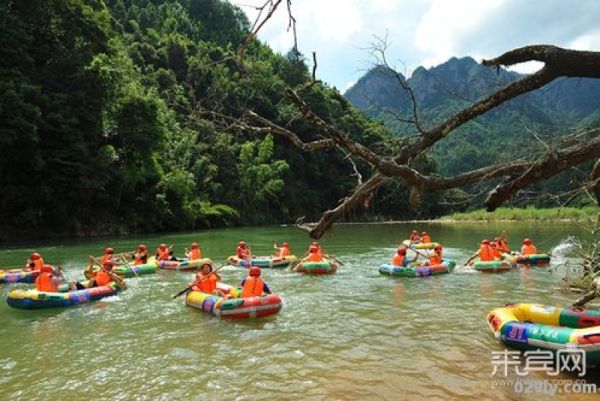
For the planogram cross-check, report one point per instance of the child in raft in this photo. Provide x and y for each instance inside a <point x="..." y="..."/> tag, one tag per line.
<point x="35" y="262"/>
<point x="243" y="253"/>
<point x="314" y="253"/>
<point x="400" y="259"/>
<point x="435" y="258"/>
<point x="253" y="285"/>
<point x="528" y="248"/>
<point x="282" y="251"/>
<point x="47" y="281"/>
<point x="425" y="238"/>
<point x="413" y="238"/>
<point x="195" y="253"/>
<point x="141" y="256"/>
<point x="206" y="281"/>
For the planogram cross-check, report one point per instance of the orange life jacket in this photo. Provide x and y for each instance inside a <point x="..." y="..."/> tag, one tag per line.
<point x="44" y="283"/>
<point x="435" y="259"/>
<point x="426" y="239"/>
<point x="253" y="287"/>
<point x="283" y="252"/>
<point x="503" y="247"/>
<point x="206" y="283"/>
<point x="140" y="258"/>
<point x="398" y="260"/>
<point x="486" y="254"/>
<point x="242" y="253"/>
<point x="163" y="254"/>
<point x="106" y="258"/>
<point x="38" y="264"/>
<point x="528" y="250"/>
<point x="195" y="254"/>
<point x="102" y="278"/>
<point x="315" y="257"/>
<point x="496" y="253"/>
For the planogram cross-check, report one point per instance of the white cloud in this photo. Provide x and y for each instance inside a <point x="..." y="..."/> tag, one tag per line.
<point x="426" y="32"/>
<point x="445" y="22"/>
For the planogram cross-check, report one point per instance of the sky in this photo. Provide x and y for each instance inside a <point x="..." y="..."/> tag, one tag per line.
<point x="424" y="32"/>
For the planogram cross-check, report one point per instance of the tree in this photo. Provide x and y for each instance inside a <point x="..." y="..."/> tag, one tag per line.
<point x="514" y="175"/>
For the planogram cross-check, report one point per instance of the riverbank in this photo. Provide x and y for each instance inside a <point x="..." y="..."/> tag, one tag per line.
<point x="506" y="214"/>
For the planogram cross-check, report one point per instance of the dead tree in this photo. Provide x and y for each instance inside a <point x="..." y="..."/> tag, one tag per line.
<point x="514" y="175"/>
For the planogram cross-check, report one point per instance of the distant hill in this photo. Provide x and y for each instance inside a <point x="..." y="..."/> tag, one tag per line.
<point x="499" y="134"/>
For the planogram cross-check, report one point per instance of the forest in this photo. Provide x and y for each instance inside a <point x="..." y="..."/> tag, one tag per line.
<point x="103" y="125"/>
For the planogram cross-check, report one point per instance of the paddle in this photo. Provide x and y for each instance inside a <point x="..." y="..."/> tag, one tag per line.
<point x="467" y="263"/>
<point x="328" y="256"/>
<point x="180" y="293"/>
<point x="116" y="278"/>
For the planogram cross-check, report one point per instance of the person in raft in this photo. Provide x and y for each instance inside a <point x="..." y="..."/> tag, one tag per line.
<point x="425" y="238"/>
<point x="528" y="248"/>
<point x="400" y="259"/>
<point x="435" y="258"/>
<point x="502" y="242"/>
<point x="414" y="237"/>
<point x="253" y="285"/>
<point x="206" y="281"/>
<point x="243" y="253"/>
<point x="35" y="262"/>
<point x="107" y="257"/>
<point x="47" y="281"/>
<point x="195" y="253"/>
<point x="282" y="251"/>
<point x="485" y="252"/>
<point x="141" y="256"/>
<point x="162" y="253"/>
<point x="495" y="250"/>
<point x="102" y="276"/>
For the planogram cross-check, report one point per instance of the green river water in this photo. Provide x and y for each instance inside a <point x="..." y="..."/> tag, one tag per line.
<point x="355" y="335"/>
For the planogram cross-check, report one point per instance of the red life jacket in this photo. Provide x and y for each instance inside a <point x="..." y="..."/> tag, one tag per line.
<point x="528" y="250"/>
<point x="206" y="283"/>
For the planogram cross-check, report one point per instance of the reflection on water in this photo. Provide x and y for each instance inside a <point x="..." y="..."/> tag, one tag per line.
<point x="355" y="335"/>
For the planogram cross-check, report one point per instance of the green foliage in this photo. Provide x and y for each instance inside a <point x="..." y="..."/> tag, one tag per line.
<point x="99" y="129"/>
<point x="583" y="214"/>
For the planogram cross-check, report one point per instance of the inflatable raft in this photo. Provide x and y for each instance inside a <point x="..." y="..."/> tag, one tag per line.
<point x="264" y="261"/>
<point x="184" y="264"/>
<point x="19" y="276"/>
<point x="419" y="245"/>
<point x="527" y="326"/>
<point x="445" y="267"/>
<point x="496" y="266"/>
<point x="129" y="270"/>
<point x="323" y="267"/>
<point x="33" y="299"/>
<point x="234" y="308"/>
<point x="536" y="259"/>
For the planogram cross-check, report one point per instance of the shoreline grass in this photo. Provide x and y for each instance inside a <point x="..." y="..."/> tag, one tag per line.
<point x="530" y="213"/>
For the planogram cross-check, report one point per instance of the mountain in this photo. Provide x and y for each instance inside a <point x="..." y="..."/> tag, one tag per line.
<point x="502" y="133"/>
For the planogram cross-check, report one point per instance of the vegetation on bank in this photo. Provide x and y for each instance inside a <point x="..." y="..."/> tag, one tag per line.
<point x="528" y="214"/>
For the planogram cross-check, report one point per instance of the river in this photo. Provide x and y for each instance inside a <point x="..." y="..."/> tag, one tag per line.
<point x="355" y="335"/>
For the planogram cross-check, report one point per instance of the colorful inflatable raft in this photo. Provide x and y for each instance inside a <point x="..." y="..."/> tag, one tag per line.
<point x="19" y="276"/>
<point x="536" y="259"/>
<point x="527" y="326"/>
<point x="323" y="267"/>
<point x="234" y="308"/>
<point x="129" y="270"/>
<point x="33" y="299"/>
<point x="419" y="245"/>
<point x="496" y="266"/>
<point x="445" y="267"/>
<point x="184" y="264"/>
<point x="264" y="261"/>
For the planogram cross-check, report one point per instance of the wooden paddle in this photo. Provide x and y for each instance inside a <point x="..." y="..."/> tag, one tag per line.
<point x="328" y="256"/>
<point x="116" y="278"/>
<point x="180" y="293"/>
<point x="467" y="263"/>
